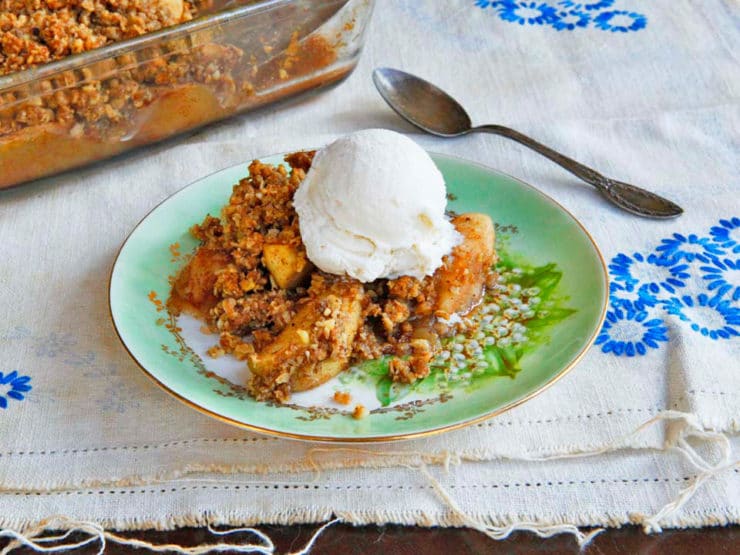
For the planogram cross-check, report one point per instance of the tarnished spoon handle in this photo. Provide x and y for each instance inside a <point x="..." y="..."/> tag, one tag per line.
<point x="626" y="196"/>
<point x="576" y="168"/>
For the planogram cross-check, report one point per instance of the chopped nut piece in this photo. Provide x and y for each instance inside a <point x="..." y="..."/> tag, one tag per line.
<point x="303" y="335"/>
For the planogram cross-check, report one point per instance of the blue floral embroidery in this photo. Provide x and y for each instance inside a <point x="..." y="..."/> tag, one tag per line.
<point x="121" y="394"/>
<point x="53" y="344"/>
<point x="13" y="386"/>
<point x="645" y="291"/>
<point x="534" y="13"/>
<point x="587" y="5"/>
<point x="622" y="270"/>
<point x="627" y="296"/>
<point x="678" y="274"/>
<point x="567" y="15"/>
<point x="570" y="20"/>
<point x="620" y="267"/>
<point x="722" y="234"/>
<point x="630" y="333"/>
<point x="726" y="318"/>
<point x="678" y="248"/>
<point x="716" y="275"/>
<point x="17" y="333"/>
<point x="604" y="21"/>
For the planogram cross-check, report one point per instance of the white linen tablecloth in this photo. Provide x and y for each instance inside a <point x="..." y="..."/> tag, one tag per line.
<point x="647" y="92"/>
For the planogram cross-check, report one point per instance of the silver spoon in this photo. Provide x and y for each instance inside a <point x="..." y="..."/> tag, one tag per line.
<point x="434" y="111"/>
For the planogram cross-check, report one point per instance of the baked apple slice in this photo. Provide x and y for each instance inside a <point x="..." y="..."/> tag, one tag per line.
<point x="314" y="347"/>
<point x="460" y="281"/>
<point x="192" y="291"/>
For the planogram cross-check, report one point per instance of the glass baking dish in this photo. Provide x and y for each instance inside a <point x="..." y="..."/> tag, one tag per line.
<point x="239" y="56"/>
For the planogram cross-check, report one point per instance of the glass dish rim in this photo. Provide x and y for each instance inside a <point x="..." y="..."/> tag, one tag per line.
<point x="77" y="61"/>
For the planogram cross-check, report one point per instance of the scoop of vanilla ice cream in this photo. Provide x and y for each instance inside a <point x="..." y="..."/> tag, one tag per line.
<point x="373" y="206"/>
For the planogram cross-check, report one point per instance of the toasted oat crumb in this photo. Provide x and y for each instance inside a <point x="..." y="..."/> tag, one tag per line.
<point x="414" y="368"/>
<point x="343" y="397"/>
<point x="175" y="252"/>
<point x="360" y="412"/>
<point x="38" y="32"/>
<point x="216" y="352"/>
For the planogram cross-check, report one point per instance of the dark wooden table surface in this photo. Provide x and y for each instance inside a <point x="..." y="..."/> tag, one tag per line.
<point x="397" y="540"/>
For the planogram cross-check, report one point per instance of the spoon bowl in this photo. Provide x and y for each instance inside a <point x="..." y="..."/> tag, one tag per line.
<point x="421" y="103"/>
<point x="433" y="110"/>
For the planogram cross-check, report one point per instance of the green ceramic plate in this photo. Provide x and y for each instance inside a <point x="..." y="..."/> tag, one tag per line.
<point x="536" y="324"/>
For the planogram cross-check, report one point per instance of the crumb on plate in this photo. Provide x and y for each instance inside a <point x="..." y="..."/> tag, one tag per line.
<point x="360" y="412"/>
<point x="342" y="397"/>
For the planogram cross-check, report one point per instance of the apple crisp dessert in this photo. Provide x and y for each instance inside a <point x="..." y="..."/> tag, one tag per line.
<point x="295" y="326"/>
<point x="139" y="95"/>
